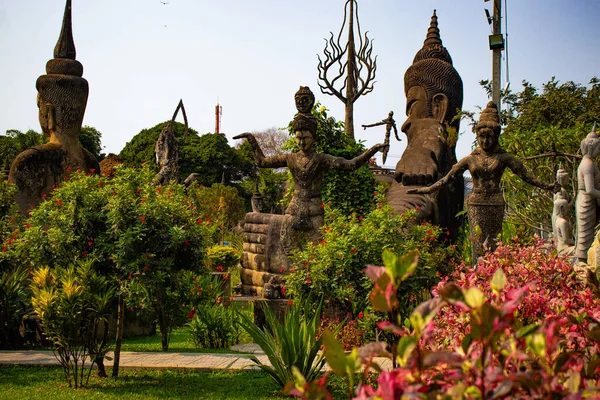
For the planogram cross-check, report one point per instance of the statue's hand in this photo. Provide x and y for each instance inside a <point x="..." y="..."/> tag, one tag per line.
<point x="245" y="135"/>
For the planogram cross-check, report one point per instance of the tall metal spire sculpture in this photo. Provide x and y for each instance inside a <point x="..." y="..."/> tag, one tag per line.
<point x="357" y="70"/>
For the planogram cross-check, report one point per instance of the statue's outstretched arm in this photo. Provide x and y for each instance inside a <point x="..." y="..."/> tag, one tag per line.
<point x="519" y="169"/>
<point x="458" y="169"/>
<point x="349" y="165"/>
<point x="277" y="161"/>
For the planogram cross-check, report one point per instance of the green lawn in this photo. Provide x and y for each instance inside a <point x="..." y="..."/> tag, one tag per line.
<point x="179" y="343"/>
<point x="20" y="382"/>
<point x="48" y="383"/>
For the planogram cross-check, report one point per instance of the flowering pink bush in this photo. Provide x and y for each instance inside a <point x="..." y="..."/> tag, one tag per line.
<point x="517" y="325"/>
<point x="553" y="292"/>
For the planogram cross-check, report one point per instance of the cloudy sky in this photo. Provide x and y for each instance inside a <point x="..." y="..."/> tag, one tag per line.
<point x="141" y="56"/>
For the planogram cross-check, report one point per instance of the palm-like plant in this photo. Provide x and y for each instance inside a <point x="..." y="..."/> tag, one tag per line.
<point x="291" y="344"/>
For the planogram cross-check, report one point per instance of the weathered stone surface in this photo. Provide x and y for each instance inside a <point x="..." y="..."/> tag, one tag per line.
<point x="257" y="238"/>
<point x="253" y="261"/>
<point x="435" y="90"/>
<point x="257" y="278"/>
<point x="62" y="98"/>
<point x="254" y="248"/>
<point x="588" y="186"/>
<point x="256" y="228"/>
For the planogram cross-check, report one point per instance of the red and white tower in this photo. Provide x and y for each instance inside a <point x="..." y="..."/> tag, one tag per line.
<point x="218" y="113"/>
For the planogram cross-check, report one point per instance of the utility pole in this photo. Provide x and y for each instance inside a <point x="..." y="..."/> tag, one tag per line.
<point x="496" y="45"/>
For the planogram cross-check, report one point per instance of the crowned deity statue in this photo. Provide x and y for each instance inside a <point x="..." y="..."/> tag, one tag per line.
<point x="62" y="98"/>
<point x="485" y="205"/>
<point x="304" y="216"/>
<point x="434" y="95"/>
<point x="588" y="195"/>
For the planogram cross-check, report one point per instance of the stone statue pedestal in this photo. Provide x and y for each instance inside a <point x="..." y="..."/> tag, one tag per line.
<point x="263" y="256"/>
<point x="277" y="306"/>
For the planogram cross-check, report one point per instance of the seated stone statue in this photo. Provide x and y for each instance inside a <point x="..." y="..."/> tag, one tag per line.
<point x="588" y="195"/>
<point x="434" y="93"/>
<point x="485" y="205"/>
<point x="304" y="216"/>
<point x="563" y="229"/>
<point x="62" y="97"/>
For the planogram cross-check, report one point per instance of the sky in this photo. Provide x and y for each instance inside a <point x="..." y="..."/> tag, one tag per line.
<point x="141" y="56"/>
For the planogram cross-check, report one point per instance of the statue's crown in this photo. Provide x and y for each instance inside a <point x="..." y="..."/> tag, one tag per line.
<point x="489" y="117"/>
<point x="592" y="134"/>
<point x="304" y="120"/>
<point x="432" y="46"/>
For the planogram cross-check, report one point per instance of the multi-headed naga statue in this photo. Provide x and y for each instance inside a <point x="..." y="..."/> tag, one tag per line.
<point x="434" y="94"/>
<point x="62" y="98"/>
<point x="357" y="71"/>
<point x="269" y="238"/>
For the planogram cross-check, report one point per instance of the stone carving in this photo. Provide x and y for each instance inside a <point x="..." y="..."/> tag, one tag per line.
<point x="62" y="98"/>
<point x="272" y="289"/>
<point x="167" y="150"/>
<point x="561" y="221"/>
<point x="588" y="194"/>
<point x="563" y="229"/>
<point x="270" y="238"/>
<point x="390" y="124"/>
<point x="434" y="94"/>
<point x="485" y="205"/>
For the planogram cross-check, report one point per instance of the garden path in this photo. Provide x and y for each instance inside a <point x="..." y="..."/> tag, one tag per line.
<point x="197" y="361"/>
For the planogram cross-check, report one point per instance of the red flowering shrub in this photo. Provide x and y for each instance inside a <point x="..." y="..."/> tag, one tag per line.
<point x="553" y="290"/>
<point x="333" y="268"/>
<point x="350" y="335"/>
<point x="518" y="325"/>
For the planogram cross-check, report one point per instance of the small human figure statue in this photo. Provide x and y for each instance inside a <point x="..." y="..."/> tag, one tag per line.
<point x="562" y="179"/>
<point x="485" y="205"/>
<point x="563" y="229"/>
<point x="389" y="123"/>
<point x="588" y="194"/>
<point x="307" y="168"/>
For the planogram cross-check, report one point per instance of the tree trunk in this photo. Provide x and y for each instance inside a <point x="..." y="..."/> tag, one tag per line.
<point x="162" y="322"/>
<point x="100" y="359"/>
<point x="349" y="120"/>
<point x="119" y="338"/>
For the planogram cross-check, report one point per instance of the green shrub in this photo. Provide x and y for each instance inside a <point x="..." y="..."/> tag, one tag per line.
<point x="293" y="344"/>
<point x="215" y="326"/>
<point x="14" y="302"/>
<point x="334" y="267"/>
<point x="224" y="257"/>
<point x="71" y="304"/>
<point x="138" y="234"/>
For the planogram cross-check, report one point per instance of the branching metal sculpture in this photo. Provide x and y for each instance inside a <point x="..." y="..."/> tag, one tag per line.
<point x="357" y="71"/>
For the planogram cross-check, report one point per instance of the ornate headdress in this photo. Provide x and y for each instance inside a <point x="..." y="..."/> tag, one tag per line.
<point x="63" y="85"/>
<point x="304" y="120"/>
<point x="489" y="118"/>
<point x="589" y="140"/>
<point x="432" y="69"/>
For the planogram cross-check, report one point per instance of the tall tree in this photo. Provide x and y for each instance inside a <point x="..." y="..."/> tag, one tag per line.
<point x="545" y="129"/>
<point x="90" y="138"/>
<point x="209" y="155"/>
